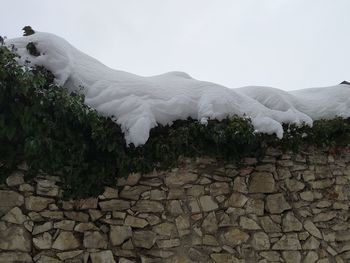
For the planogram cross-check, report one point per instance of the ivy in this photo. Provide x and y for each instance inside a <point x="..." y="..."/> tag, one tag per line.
<point x="55" y="132"/>
<point x="32" y="49"/>
<point x="28" y="30"/>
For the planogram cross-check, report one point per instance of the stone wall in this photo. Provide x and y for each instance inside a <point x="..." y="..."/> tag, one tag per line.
<point x="285" y="208"/>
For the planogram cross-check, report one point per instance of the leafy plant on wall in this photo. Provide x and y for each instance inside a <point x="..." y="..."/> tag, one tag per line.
<point x="55" y="132"/>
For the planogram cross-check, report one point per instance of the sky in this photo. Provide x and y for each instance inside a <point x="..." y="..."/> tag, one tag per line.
<point x="287" y="44"/>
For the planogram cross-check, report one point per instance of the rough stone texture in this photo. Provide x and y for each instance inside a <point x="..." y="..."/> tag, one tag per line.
<point x="102" y="257"/>
<point x="208" y="204"/>
<point x="9" y="199"/>
<point x="235" y="236"/>
<point x="249" y="224"/>
<point x="312" y="229"/>
<point x="276" y="204"/>
<point x="133" y="192"/>
<point x="147" y="206"/>
<point x="291" y="223"/>
<point x="66" y="241"/>
<point x="291" y="256"/>
<point x="114" y="205"/>
<point x="237" y="200"/>
<point x="118" y="234"/>
<point x="95" y="240"/>
<point x="15" y="216"/>
<point x="165" y="229"/>
<point x="179" y="178"/>
<point x="284" y="208"/>
<point x="210" y="224"/>
<point x="77" y="216"/>
<point x="15" y="257"/>
<point x="69" y="254"/>
<point x="261" y="241"/>
<point x="45" y="227"/>
<point x="144" y="239"/>
<point x="135" y="222"/>
<point x="47" y="188"/>
<point x="15" y="179"/>
<point x="43" y="241"/>
<point x="14" y="237"/>
<point x="287" y="242"/>
<point x="37" y="203"/>
<point x="269" y="225"/>
<point x="262" y="182"/>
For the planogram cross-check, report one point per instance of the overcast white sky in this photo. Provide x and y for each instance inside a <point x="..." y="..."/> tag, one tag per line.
<point x="288" y="44"/>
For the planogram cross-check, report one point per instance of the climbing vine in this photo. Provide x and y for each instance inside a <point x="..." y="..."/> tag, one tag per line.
<point x="55" y="132"/>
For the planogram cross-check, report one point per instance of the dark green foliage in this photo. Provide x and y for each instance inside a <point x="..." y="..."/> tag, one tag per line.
<point x="32" y="49"/>
<point x="28" y="30"/>
<point x="55" y="132"/>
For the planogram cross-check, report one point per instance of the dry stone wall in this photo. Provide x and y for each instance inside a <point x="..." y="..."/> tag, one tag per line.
<point x="284" y="208"/>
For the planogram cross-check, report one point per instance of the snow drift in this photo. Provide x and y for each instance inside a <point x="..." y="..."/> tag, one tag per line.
<point x="138" y="103"/>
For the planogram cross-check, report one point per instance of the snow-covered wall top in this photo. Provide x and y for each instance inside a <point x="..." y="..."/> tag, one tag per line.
<point x="138" y="103"/>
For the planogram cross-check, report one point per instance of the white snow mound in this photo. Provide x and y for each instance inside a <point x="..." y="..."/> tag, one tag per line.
<point x="138" y="103"/>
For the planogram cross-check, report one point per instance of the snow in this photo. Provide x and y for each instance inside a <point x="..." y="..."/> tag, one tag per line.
<point x="138" y="103"/>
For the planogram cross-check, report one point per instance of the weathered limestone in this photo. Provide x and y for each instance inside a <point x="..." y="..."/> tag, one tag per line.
<point x="95" y="240"/>
<point x="83" y="227"/>
<point x="15" y="257"/>
<point x="237" y="200"/>
<point x="210" y="223"/>
<point x="276" y="204"/>
<point x="15" y="216"/>
<point x="114" y="205"/>
<point x="83" y="204"/>
<point x="207" y="203"/>
<point x="180" y="178"/>
<point x="262" y="182"/>
<point x="38" y="229"/>
<point x="15" y="179"/>
<point x="249" y="224"/>
<point x="291" y="256"/>
<point x="109" y="193"/>
<point x="235" y="236"/>
<point x="102" y="257"/>
<point x="144" y="239"/>
<point x="294" y="185"/>
<point x="43" y="241"/>
<point x="77" y="216"/>
<point x="37" y="203"/>
<point x="135" y="222"/>
<point x="47" y="188"/>
<point x="269" y="225"/>
<point x="9" y="199"/>
<point x="281" y="208"/>
<point x="311" y="244"/>
<point x="15" y="238"/>
<point x="287" y="242"/>
<point x="260" y="241"/>
<point x="290" y="223"/>
<point x="312" y="229"/>
<point x="118" y="234"/>
<point x="165" y="229"/>
<point x="133" y="192"/>
<point x="66" y="241"/>
<point x="147" y="206"/>
<point x="311" y="257"/>
<point x="69" y="254"/>
<point x="170" y="243"/>
<point x="219" y="188"/>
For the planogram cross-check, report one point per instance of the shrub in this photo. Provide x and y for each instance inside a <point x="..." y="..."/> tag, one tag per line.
<point x="54" y="131"/>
